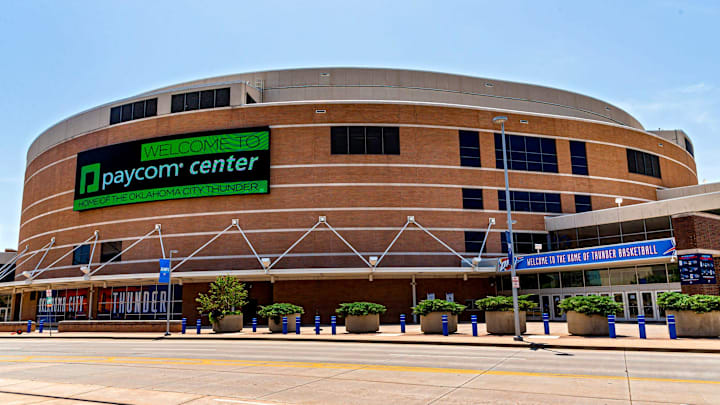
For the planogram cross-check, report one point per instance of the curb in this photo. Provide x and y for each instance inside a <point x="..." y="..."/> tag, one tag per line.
<point x="526" y="344"/>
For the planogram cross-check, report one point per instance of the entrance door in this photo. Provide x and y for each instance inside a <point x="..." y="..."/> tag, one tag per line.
<point x="557" y="313"/>
<point x="648" y="305"/>
<point x="3" y="314"/>
<point x="545" y="306"/>
<point x="620" y="297"/>
<point x="633" y="305"/>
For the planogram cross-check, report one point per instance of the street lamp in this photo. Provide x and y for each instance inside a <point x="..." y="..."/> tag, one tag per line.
<point x="501" y="120"/>
<point x="618" y="201"/>
<point x="169" y="299"/>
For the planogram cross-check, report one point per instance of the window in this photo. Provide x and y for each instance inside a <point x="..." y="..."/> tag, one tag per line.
<point x="689" y="147"/>
<point x="572" y="279"/>
<point x="108" y="250"/>
<point x="473" y="241"/>
<point x="528" y="282"/>
<point x="597" y="278"/>
<point x="472" y="198"/>
<point x="469" y="148"/>
<point x="527" y="153"/>
<point x="549" y="280"/>
<point x="625" y="276"/>
<point x="524" y="242"/>
<point x="643" y="163"/>
<point x="652" y="274"/>
<point x="81" y="255"/>
<point x="583" y="203"/>
<point x="249" y="99"/>
<point x="578" y="158"/>
<point x="133" y="111"/>
<point x="364" y="141"/>
<point x="531" y="201"/>
<point x="200" y="100"/>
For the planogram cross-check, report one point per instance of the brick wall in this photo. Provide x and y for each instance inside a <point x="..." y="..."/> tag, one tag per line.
<point x="699" y="232"/>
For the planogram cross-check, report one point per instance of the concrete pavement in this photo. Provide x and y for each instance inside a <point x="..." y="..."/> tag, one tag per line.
<point x="559" y="338"/>
<point x="273" y="372"/>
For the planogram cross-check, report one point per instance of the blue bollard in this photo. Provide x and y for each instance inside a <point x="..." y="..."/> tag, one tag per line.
<point x="333" y="324"/>
<point x="29" y="328"/>
<point x="402" y="323"/>
<point x="445" y="325"/>
<point x="317" y="324"/>
<point x="641" y="325"/>
<point x="254" y="324"/>
<point x="473" y="320"/>
<point x="671" y="326"/>
<point x="40" y="325"/>
<point x="184" y="325"/>
<point x="284" y="325"/>
<point x="546" y="323"/>
<point x="611" y="326"/>
<point x="198" y="324"/>
<point x="297" y="325"/>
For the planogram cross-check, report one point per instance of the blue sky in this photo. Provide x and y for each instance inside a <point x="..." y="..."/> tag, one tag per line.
<point x="656" y="59"/>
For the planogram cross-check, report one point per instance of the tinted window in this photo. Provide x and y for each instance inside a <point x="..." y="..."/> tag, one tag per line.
<point x="473" y="242"/>
<point x="81" y="255"/>
<point x="207" y="99"/>
<point x="531" y="201"/>
<point x="525" y="242"/>
<point x="373" y="140"/>
<point x="578" y="158"/>
<point x="192" y="101"/>
<point x="177" y="103"/>
<point x="582" y="203"/>
<point x="126" y="112"/>
<point x="357" y="140"/>
<point x="115" y="114"/>
<point x="151" y="107"/>
<point x="391" y="141"/>
<point x="364" y="140"/>
<point x="472" y="198"/>
<point x="222" y="97"/>
<point x="527" y="153"/>
<point x="108" y="250"/>
<point x="643" y="163"/>
<point x="469" y="148"/>
<point x="339" y="140"/>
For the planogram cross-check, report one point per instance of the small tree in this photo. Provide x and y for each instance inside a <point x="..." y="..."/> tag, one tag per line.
<point x="226" y="297"/>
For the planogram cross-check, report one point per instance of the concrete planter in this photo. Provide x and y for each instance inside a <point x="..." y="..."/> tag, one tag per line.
<point x="692" y="324"/>
<point x="362" y="323"/>
<point x="276" y="327"/>
<point x="587" y="325"/>
<point x="432" y="322"/>
<point x="503" y="322"/>
<point x="228" y="324"/>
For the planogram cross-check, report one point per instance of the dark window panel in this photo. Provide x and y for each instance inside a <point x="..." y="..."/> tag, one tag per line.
<point x="207" y="99"/>
<point x="222" y="97"/>
<point x="469" y="139"/>
<point x="81" y="255"/>
<point x="473" y="241"/>
<point x="177" y="103"/>
<point x="192" y="101"/>
<point x="339" y="141"/>
<point x="248" y="99"/>
<point x="357" y="140"/>
<point x="126" y="112"/>
<point x="469" y="161"/>
<point x="108" y="250"/>
<point x="472" y="198"/>
<point x="373" y="140"/>
<point x="138" y="110"/>
<point x="115" y="115"/>
<point x="151" y="107"/>
<point x="391" y="140"/>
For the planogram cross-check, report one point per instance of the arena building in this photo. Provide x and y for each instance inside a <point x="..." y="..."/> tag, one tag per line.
<point x="329" y="185"/>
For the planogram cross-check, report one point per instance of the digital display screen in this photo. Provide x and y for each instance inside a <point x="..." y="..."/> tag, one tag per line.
<point x="226" y="162"/>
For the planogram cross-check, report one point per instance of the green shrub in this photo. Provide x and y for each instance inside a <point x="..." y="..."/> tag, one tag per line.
<point x="591" y="305"/>
<point x="504" y="303"/>
<point x="360" y="309"/>
<point x="674" y="301"/>
<point x="278" y="310"/>
<point x="226" y="297"/>
<point x="427" y="306"/>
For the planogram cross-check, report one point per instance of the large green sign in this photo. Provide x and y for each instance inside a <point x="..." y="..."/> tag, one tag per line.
<point x="205" y="164"/>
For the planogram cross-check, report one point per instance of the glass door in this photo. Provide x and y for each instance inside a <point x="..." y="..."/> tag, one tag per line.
<point x="648" y="305"/>
<point x="557" y="312"/>
<point x="633" y="305"/>
<point x="545" y="306"/>
<point x="3" y="314"/>
<point x="620" y="297"/>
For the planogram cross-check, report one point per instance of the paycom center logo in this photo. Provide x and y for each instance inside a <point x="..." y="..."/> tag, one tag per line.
<point x="195" y="165"/>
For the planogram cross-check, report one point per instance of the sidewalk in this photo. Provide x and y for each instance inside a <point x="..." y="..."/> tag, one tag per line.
<point x="657" y="337"/>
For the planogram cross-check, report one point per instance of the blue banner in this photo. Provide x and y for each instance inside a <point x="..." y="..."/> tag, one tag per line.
<point x="164" y="271"/>
<point x="649" y="249"/>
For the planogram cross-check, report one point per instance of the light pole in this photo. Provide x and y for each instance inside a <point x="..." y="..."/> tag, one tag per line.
<point x="518" y="336"/>
<point x="169" y="299"/>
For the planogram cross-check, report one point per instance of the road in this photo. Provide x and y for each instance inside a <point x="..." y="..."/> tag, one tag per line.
<point x="91" y="371"/>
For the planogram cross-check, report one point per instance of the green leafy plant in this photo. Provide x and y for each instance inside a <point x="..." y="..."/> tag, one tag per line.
<point x="278" y="310"/>
<point x="504" y="303"/>
<point x="591" y="305"/>
<point x="226" y="297"/>
<point x="360" y="309"/>
<point x="674" y="301"/>
<point x="427" y="306"/>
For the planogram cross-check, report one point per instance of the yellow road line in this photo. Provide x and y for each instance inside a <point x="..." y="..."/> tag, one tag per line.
<point x="318" y="365"/>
